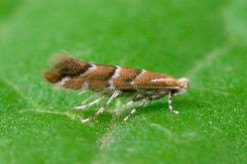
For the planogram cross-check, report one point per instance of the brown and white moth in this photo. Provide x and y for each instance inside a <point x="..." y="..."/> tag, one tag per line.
<point x="114" y="81"/>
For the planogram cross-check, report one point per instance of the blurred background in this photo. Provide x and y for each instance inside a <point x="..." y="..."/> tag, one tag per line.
<point x="202" y="40"/>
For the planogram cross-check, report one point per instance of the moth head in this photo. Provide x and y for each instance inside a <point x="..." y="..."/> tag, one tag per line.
<point x="183" y="84"/>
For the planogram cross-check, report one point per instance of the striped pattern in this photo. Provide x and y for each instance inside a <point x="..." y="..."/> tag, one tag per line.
<point x="73" y="74"/>
<point x="114" y="81"/>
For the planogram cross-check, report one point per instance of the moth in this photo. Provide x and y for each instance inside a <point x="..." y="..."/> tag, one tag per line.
<point x="109" y="82"/>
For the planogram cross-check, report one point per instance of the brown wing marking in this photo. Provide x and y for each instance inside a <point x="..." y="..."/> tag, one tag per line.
<point x="126" y="76"/>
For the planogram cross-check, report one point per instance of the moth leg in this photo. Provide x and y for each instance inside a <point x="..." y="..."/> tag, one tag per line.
<point x="142" y="103"/>
<point x="170" y="104"/>
<point x="101" y="110"/>
<point x="157" y="96"/>
<point x="90" y="98"/>
<point x="85" y="106"/>
<point x="82" y="92"/>
<point x="131" y="102"/>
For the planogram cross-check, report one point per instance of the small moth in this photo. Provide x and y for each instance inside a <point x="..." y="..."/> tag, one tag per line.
<point x="110" y="82"/>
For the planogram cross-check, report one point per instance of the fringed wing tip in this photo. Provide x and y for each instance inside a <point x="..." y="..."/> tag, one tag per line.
<point x="63" y="66"/>
<point x="56" y="62"/>
<point x="59" y="58"/>
<point x="52" y="76"/>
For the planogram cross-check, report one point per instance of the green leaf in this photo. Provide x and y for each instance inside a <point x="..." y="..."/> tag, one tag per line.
<point x="202" y="40"/>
